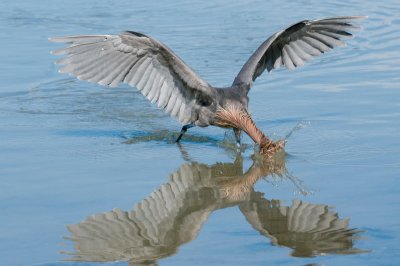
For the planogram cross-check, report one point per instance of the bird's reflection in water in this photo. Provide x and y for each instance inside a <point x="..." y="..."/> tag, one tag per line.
<point x="174" y="213"/>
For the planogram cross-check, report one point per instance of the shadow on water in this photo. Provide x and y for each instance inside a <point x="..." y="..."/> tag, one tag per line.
<point x="165" y="136"/>
<point x="174" y="214"/>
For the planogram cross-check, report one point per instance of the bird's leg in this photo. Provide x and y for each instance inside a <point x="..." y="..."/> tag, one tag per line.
<point x="183" y="131"/>
<point x="237" y="136"/>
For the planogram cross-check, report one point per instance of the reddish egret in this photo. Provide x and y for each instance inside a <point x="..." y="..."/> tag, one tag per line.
<point x="161" y="76"/>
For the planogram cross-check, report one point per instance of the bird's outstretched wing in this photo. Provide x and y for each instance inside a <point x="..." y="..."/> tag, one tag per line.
<point x="295" y="45"/>
<point x="141" y="62"/>
<point x="309" y="229"/>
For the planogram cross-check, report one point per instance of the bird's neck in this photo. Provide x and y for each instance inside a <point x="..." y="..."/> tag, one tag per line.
<point x="232" y="116"/>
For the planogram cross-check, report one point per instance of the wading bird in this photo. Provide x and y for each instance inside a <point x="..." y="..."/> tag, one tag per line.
<point x="160" y="75"/>
<point x="174" y="214"/>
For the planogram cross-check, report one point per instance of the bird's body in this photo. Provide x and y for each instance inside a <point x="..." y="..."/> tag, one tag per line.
<point x="162" y="77"/>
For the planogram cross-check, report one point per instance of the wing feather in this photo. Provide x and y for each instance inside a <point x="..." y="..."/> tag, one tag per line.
<point x="286" y="58"/>
<point x="159" y="92"/>
<point x="320" y="46"/>
<point x="144" y="75"/>
<point x="88" y="69"/>
<point x="141" y="62"/>
<point x="129" y="79"/>
<point x="110" y="71"/>
<point x="153" y="88"/>
<point x="181" y="112"/>
<point x="308" y="48"/>
<point x="177" y="106"/>
<point x="130" y="62"/>
<point x="89" y="62"/>
<point x="295" y="57"/>
<point x="138" y="75"/>
<point x="300" y="51"/>
<point x="120" y="70"/>
<point x="171" y="102"/>
<point x="165" y="94"/>
<point x="149" y="82"/>
<point x="295" y="45"/>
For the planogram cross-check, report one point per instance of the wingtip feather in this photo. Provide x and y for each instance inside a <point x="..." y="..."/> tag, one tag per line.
<point x="56" y="39"/>
<point x="359" y="17"/>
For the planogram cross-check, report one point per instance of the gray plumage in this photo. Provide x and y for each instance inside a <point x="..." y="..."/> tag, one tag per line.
<point x="160" y="75"/>
<point x="175" y="213"/>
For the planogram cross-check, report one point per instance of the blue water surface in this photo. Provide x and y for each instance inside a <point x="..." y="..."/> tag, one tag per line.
<point x="90" y="174"/>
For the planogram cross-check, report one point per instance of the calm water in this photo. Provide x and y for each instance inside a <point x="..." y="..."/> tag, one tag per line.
<point x="89" y="173"/>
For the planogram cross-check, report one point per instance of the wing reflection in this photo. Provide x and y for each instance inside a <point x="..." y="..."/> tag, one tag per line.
<point x="309" y="229"/>
<point x="174" y="213"/>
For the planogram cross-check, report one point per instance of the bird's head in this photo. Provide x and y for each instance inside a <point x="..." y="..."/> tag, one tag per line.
<point x="235" y="117"/>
